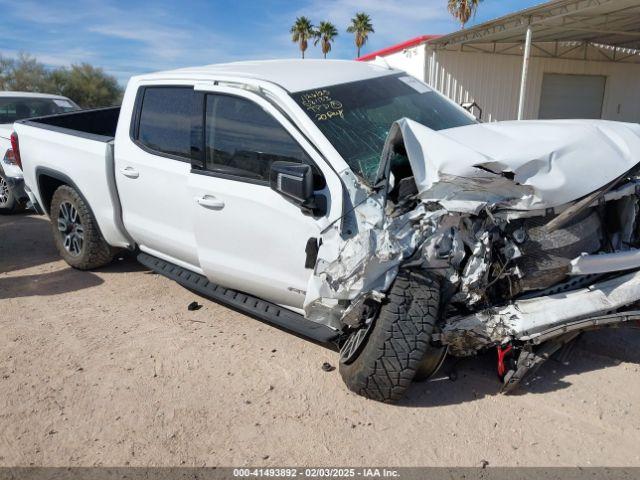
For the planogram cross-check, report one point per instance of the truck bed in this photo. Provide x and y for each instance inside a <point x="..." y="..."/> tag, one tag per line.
<point x="97" y="124"/>
<point x="75" y="149"/>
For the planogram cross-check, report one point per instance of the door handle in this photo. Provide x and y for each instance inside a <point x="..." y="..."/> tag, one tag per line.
<point x="130" y="172"/>
<point x="209" y="201"/>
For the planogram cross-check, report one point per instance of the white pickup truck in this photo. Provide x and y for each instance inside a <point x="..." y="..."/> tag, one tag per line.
<point x="352" y="204"/>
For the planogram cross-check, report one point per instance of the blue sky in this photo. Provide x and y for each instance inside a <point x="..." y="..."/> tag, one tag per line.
<point x="136" y="36"/>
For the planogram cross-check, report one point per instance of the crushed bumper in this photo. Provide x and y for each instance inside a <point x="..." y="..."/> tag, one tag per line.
<point x="542" y="318"/>
<point x="17" y="187"/>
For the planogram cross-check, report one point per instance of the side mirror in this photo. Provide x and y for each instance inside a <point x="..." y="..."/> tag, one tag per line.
<point x="294" y="181"/>
<point x="470" y="106"/>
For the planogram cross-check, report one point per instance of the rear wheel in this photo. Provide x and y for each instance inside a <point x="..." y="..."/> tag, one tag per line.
<point x="75" y="231"/>
<point x="8" y="201"/>
<point x="380" y="360"/>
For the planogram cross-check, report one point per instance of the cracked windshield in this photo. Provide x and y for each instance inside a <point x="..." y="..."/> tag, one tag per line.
<point x="356" y="116"/>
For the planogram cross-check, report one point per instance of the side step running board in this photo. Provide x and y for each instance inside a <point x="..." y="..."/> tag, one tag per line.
<point x="261" y="309"/>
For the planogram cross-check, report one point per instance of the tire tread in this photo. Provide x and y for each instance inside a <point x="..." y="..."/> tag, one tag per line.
<point x="98" y="252"/>
<point x="398" y="341"/>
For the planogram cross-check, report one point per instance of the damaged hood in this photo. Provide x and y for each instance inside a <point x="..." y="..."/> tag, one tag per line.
<point x="464" y="175"/>
<point x="522" y="165"/>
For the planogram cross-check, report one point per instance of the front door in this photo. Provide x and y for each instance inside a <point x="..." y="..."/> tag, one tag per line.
<point x="249" y="237"/>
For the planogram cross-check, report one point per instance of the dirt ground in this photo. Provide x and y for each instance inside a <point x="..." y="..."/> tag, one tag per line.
<point x="110" y="368"/>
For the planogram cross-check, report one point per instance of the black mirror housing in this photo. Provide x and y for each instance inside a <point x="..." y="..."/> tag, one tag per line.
<point x="294" y="181"/>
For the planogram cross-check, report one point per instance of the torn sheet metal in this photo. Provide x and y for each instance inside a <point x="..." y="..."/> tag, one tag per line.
<point x="605" y="263"/>
<point x="455" y="226"/>
<point x="521" y="165"/>
<point x="363" y="260"/>
<point x="626" y="190"/>
<point x="528" y="318"/>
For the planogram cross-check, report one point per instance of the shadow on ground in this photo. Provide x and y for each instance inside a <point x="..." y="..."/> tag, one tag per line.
<point x="124" y="262"/>
<point x="50" y="283"/>
<point x="25" y="242"/>
<point x="469" y="379"/>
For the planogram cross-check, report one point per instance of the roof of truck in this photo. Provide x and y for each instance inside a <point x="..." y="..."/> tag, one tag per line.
<point x="293" y="75"/>
<point x="29" y="94"/>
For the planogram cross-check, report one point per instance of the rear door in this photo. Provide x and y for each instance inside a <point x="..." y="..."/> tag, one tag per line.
<point x="152" y="173"/>
<point x="249" y="237"/>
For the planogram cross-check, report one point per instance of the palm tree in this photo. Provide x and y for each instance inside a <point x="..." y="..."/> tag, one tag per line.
<point x="361" y="26"/>
<point x="325" y="33"/>
<point x="463" y="10"/>
<point x="301" y="32"/>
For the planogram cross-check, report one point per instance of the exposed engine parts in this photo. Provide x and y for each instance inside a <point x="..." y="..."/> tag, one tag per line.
<point x="516" y="265"/>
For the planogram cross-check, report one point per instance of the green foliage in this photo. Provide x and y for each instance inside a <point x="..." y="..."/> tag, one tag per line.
<point x="23" y="74"/>
<point x="463" y="10"/>
<point x="325" y="34"/>
<point x="86" y="85"/>
<point x="361" y="27"/>
<point x="301" y="31"/>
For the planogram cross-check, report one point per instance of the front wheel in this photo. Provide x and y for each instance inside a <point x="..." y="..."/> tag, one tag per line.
<point x="76" y="233"/>
<point x="380" y="361"/>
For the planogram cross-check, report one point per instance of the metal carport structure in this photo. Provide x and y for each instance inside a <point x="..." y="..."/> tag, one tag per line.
<point x="609" y="29"/>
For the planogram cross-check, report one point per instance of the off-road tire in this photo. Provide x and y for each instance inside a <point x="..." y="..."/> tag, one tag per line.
<point x="398" y="341"/>
<point x="11" y="204"/>
<point x="95" y="251"/>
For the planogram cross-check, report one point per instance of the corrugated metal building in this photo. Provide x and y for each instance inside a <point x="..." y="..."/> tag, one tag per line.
<point x="562" y="59"/>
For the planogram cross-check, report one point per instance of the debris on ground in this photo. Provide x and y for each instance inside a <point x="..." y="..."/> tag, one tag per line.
<point x="194" y="306"/>
<point x="327" y="367"/>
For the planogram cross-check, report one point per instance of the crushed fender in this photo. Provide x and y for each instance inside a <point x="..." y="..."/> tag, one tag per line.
<point x="483" y="195"/>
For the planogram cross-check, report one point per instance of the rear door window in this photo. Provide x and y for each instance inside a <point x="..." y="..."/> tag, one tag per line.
<point x="165" y="123"/>
<point x="243" y="140"/>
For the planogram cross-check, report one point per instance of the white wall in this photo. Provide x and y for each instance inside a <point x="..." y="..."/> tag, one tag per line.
<point x="411" y="60"/>
<point x="622" y="89"/>
<point x="493" y="80"/>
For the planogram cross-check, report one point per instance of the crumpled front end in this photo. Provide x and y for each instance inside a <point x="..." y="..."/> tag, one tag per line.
<point x="509" y="217"/>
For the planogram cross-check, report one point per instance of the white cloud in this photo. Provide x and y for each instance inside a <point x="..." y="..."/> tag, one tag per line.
<point x="136" y="38"/>
<point x="393" y="20"/>
<point x="62" y="59"/>
<point x="389" y="17"/>
<point x="148" y="39"/>
<point x="43" y="13"/>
